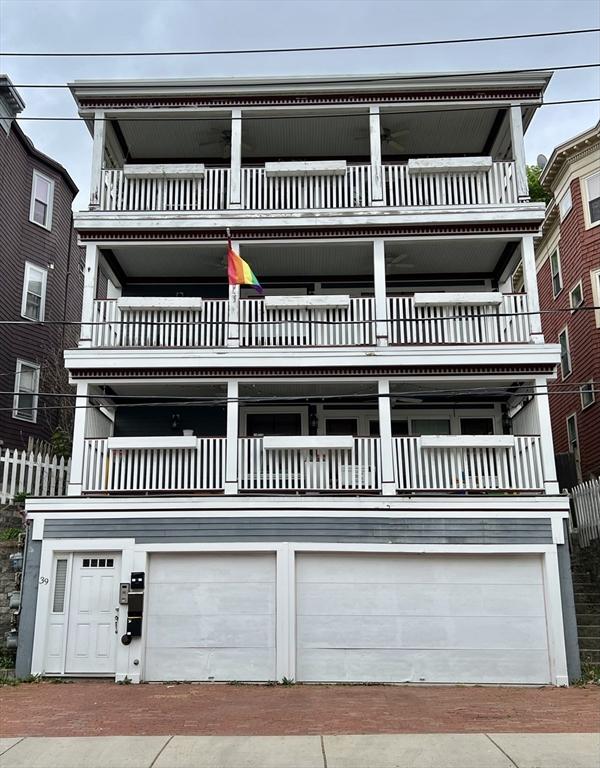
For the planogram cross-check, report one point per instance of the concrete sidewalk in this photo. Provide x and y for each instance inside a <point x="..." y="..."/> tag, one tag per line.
<point x="480" y="750"/>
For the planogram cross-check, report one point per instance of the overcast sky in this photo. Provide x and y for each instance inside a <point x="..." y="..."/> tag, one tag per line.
<point x="129" y="25"/>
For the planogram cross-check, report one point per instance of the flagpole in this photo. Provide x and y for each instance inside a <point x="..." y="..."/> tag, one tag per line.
<point x="233" y="328"/>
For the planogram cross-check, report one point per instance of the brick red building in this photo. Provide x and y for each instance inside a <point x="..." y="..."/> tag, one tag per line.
<point x="40" y="278"/>
<point x="568" y="267"/>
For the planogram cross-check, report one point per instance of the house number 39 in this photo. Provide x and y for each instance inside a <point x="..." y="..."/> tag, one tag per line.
<point x="43" y="580"/>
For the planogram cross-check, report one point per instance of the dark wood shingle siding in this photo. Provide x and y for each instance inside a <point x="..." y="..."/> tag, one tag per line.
<point x="23" y="241"/>
<point x="579" y="254"/>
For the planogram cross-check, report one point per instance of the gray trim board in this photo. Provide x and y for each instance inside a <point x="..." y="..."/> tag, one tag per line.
<point x="29" y="594"/>
<point x="375" y="530"/>
<point x="568" y="608"/>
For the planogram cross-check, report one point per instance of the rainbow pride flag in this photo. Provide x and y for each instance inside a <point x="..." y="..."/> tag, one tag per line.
<point x="238" y="271"/>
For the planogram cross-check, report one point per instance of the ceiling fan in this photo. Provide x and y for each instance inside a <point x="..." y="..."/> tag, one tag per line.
<point x="390" y="140"/>
<point x="401" y="261"/>
<point x="222" y="139"/>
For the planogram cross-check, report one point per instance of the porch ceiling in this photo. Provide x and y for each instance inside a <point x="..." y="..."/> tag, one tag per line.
<point x="312" y="259"/>
<point x="343" y="133"/>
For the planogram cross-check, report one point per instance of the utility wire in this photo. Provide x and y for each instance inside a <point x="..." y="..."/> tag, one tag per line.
<point x="142" y="324"/>
<point x="117" y="85"/>
<point x="300" y="49"/>
<point x="324" y="114"/>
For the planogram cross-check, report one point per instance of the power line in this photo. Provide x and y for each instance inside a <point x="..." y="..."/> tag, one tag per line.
<point x="433" y="76"/>
<point x="439" y="105"/>
<point x="300" y="49"/>
<point x="142" y="324"/>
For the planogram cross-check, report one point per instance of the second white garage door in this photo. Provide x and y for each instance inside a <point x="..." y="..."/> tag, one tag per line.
<point x="211" y="617"/>
<point x="421" y="618"/>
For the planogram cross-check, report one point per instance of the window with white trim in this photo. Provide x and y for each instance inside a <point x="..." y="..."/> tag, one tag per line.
<point x="34" y="292"/>
<point x="565" y="204"/>
<point x="592" y="194"/>
<point x="42" y="194"/>
<point x="27" y="383"/>
<point x="595" y="281"/>
<point x="555" y="272"/>
<point x="587" y="394"/>
<point x="572" y="436"/>
<point x="565" y="353"/>
<point x="576" y="295"/>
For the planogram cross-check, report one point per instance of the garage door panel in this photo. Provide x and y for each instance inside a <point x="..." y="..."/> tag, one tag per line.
<point x="217" y="568"/>
<point x="436" y="618"/>
<point x="408" y="632"/>
<point x="210" y="631"/>
<point x="390" y="666"/>
<point x="211" y="617"/>
<point x="410" y="569"/>
<point x="216" y="597"/>
<point x="214" y="664"/>
<point x="401" y="599"/>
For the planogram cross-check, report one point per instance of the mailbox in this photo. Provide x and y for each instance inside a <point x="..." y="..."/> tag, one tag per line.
<point x="135" y="605"/>
<point x="134" y="626"/>
<point x="138" y="580"/>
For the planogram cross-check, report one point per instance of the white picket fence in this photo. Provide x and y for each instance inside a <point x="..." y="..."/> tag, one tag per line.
<point x="31" y="473"/>
<point x="586" y="502"/>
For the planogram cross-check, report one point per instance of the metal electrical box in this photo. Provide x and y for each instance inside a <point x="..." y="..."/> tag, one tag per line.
<point x="123" y="594"/>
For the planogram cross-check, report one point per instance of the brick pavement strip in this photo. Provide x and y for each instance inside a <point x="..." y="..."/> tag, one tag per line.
<point x="99" y="708"/>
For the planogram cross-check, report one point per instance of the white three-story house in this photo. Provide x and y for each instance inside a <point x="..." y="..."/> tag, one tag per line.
<point x="349" y="477"/>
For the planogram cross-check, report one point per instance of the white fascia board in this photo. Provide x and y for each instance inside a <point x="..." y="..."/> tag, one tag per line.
<point x="535" y="506"/>
<point x="165" y="171"/>
<point x="297" y="442"/>
<point x="467" y="441"/>
<point x="160" y="302"/>
<point x="175" y="441"/>
<point x="303" y="302"/>
<point x="294" y="357"/>
<point x="525" y="213"/>
<point x="447" y="299"/>
<point x="449" y="164"/>
<point x="307" y="168"/>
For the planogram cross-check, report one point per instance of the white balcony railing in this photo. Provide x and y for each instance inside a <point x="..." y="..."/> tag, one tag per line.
<point x="402" y="188"/>
<point x="411" y="323"/>
<point x="297" y="468"/>
<point x="209" y="192"/>
<point x="116" y="327"/>
<point x="468" y="463"/>
<point x="496" y="186"/>
<point x="262" y="326"/>
<point x="154" y="464"/>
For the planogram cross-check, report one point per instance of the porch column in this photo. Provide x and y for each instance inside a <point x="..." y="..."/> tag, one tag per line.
<point x="79" y="426"/>
<point x="388" y="482"/>
<point x="235" y="170"/>
<point x="381" y="316"/>
<point x="231" y="449"/>
<point x="518" y="152"/>
<point x="531" y="288"/>
<point x="90" y="279"/>
<point x="546" y="443"/>
<point x="97" y="158"/>
<point x="376" y="169"/>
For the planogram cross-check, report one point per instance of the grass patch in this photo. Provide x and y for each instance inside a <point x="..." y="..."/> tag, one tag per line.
<point x="590" y="674"/>
<point x="10" y="534"/>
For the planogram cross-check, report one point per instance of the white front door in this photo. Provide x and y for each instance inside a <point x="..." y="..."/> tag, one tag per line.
<point x="93" y="614"/>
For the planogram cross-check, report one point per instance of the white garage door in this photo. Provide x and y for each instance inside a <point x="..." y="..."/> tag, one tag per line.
<point x="211" y="617"/>
<point x="428" y="618"/>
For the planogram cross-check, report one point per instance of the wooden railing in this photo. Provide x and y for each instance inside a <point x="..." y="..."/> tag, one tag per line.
<point x="154" y="464"/>
<point x="468" y="463"/>
<point x="507" y="322"/>
<point x="115" y="327"/>
<point x="207" y="193"/>
<point x="402" y="188"/>
<point x="35" y="474"/>
<point x="261" y="326"/>
<point x="289" y="193"/>
<point x="496" y="186"/>
<point x="586" y="511"/>
<point x="309" y="469"/>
